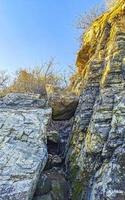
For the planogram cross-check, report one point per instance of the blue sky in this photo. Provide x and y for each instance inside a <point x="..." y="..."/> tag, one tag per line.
<point x="33" y="31"/>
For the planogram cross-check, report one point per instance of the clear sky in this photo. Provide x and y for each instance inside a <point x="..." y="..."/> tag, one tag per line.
<point x="32" y="31"/>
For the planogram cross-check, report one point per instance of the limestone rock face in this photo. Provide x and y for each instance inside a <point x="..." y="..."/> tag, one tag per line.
<point x="22" y="100"/>
<point x="96" y="155"/>
<point x="23" y="150"/>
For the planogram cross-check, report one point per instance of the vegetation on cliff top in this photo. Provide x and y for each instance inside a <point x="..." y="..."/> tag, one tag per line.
<point x="43" y="79"/>
<point x="91" y="38"/>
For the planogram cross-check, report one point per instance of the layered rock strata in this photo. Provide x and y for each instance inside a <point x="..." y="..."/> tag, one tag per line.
<point x="23" y="150"/>
<point x="96" y="155"/>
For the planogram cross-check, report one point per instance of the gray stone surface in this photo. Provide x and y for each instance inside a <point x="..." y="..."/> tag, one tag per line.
<point x="18" y="100"/>
<point x="52" y="185"/>
<point x="63" y="106"/>
<point x="23" y="150"/>
<point x="96" y="154"/>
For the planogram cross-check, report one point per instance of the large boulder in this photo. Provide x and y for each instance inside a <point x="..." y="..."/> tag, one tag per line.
<point x="23" y="150"/>
<point x="52" y="185"/>
<point x="63" y="106"/>
<point x="96" y="155"/>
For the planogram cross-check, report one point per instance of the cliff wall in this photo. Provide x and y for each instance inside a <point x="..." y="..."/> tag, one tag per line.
<point x="96" y="155"/>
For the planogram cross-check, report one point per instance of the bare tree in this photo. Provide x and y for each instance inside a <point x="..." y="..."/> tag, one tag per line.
<point x="66" y="75"/>
<point x="48" y="69"/>
<point x="37" y="80"/>
<point x="3" y="79"/>
<point x="84" y="21"/>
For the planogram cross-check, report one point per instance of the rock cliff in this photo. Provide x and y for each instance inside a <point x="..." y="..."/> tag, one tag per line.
<point x="23" y="150"/>
<point x="96" y="154"/>
<point x="32" y="147"/>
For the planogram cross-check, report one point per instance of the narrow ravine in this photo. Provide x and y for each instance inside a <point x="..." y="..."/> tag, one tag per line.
<point x="53" y="183"/>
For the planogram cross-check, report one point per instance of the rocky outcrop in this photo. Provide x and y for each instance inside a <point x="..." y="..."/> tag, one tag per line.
<point x="63" y="106"/>
<point x="23" y="150"/>
<point x="20" y="100"/>
<point x="96" y="155"/>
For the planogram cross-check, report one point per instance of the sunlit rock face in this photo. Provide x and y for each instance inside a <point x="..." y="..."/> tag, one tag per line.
<point x="96" y="155"/>
<point x="23" y="151"/>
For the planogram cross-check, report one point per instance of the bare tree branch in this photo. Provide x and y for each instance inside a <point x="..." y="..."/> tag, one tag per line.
<point x="49" y="66"/>
<point x="84" y="21"/>
<point x="3" y="79"/>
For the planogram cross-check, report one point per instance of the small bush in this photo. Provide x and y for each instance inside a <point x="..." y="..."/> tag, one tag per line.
<point x="4" y="79"/>
<point x="40" y="80"/>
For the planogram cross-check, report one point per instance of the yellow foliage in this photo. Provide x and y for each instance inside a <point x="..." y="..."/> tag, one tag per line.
<point x="35" y="81"/>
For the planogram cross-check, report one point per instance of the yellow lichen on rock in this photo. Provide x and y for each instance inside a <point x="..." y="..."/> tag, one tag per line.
<point x="93" y="164"/>
<point x="107" y="70"/>
<point x="99" y="43"/>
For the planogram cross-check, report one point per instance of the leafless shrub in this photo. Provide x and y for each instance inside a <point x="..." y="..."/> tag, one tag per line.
<point x="3" y="79"/>
<point x="40" y="80"/>
<point x="84" y="21"/>
<point x="110" y="3"/>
